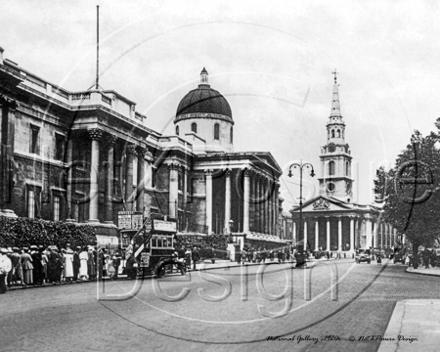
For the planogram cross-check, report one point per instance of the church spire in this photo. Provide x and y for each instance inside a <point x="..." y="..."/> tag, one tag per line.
<point x="336" y="108"/>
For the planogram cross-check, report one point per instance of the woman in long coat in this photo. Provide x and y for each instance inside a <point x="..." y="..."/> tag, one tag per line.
<point x="68" y="265"/>
<point x="28" y="268"/>
<point x="91" y="264"/>
<point x="83" y="257"/>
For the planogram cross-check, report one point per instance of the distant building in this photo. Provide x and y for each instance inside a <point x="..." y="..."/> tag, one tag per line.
<point x="85" y="156"/>
<point x="332" y="221"/>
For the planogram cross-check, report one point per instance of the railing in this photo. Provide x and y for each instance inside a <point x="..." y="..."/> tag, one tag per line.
<point x="36" y="81"/>
<point x="60" y="93"/>
<point x="81" y="96"/>
<point x="106" y="100"/>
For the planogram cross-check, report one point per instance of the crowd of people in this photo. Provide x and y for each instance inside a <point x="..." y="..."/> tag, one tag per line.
<point x="260" y="255"/>
<point x="40" y="265"/>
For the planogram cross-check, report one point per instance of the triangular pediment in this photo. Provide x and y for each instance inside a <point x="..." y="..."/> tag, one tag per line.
<point x="323" y="203"/>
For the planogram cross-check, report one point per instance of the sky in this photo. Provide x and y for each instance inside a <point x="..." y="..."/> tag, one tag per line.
<point x="272" y="60"/>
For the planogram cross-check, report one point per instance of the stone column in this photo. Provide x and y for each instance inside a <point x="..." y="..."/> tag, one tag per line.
<point x="266" y="206"/>
<point x="185" y="195"/>
<point x="208" y="192"/>
<point x="275" y="208"/>
<point x="69" y="189"/>
<point x="129" y="196"/>
<point x="228" y="199"/>
<point x="260" y="204"/>
<point x="316" y="235"/>
<point x="328" y="235"/>
<point x="109" y="184"/>
<point x="173" y="189"/>
<point x="368" y="233"/>
<point x="140" y="189"/>
<point x="246" y="199"/>
<point x="352" y="241"/>
<point x="95" y="134"/>
<point x="339" y="234"/>
<point x="305" y="234"/>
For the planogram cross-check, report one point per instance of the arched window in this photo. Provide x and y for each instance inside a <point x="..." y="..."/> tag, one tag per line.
<point x="194" y="127"/>
<point x="217" y="131"/>
<point x="339" y="133"/>
<point x="232" y="135"/>
<point x="331" y="168"/>
<point x="333" y="133"/>
<point x="177" y="130"/>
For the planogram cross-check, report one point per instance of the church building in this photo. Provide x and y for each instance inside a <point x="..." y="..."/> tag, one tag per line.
<point x="332" y="221"/>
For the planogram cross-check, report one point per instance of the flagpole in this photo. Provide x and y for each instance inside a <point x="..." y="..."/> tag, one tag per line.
<point x="97" y="47"/>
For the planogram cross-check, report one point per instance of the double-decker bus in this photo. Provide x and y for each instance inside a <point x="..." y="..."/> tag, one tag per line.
<point x="156" y="239"/>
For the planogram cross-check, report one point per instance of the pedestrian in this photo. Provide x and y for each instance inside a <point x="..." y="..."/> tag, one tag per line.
<point x="426" y="256"/>
<point x="195" y="257"/>
<point x="16" y="263"/>
<point x="101" y="260"/>
<point x="379" y="259"/>
<point x="36" y="261"/>
<point x="44" y="261"/>
<point x="68" y="265"/>
<point x="83" y="257"/>
<point x="9" y="275"/>
<point x="243" y="256"/>
<point x="263" y="255"/>
<point x="188" y="259"/>
<point x="5" y="268"/>
<point x="110" y="267"/>
<point x="116" y="263"/>
<point x="59" y="268"/>
<point x="76" y="263"/>
<point x="28" y="268"/>
<point x="91" y="263"/>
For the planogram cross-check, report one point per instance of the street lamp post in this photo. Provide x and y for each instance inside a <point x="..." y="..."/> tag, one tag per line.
<point x="301" y="166"/>
<point x="231" y="223"/>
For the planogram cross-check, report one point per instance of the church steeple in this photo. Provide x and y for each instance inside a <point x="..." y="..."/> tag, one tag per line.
<point x="336" y="108"/>
<point x="335" y="180"/>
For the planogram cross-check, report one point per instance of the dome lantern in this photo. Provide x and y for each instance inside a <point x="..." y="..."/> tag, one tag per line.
<point x="204" y="77"/>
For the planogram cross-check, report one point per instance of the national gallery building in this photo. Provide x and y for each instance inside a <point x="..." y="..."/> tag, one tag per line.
<point x="86" y="156"/>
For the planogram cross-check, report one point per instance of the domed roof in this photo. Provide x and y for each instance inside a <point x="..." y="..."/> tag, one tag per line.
<point x="204" y="100"/>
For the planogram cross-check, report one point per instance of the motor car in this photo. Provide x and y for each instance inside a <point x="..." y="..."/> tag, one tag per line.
<point x="363" y="255"/>
<point x="399" y="256"/>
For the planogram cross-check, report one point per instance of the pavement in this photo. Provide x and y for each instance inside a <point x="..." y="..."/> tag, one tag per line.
<point x="415" y="323"/>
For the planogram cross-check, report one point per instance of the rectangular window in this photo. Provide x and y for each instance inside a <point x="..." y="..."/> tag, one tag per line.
<point x="34" y="140"/>
<point x="56" y="208"/>
<point x="31" y="204"/>
<point x="76" y="212"/>
<point x="59" y="146"/>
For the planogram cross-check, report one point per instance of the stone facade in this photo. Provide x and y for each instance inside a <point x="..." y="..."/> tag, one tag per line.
<point x="85" y="156"/>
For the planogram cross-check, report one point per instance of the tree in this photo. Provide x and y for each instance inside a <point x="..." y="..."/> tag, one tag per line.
<point x="410" y="191"/>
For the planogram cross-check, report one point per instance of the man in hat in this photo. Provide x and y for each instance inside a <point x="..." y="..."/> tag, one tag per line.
<point x="17" y="273"/>
<point x="28" y="267"/>
<point x="5" y="268"/>
<point x="76" y="263"/>
<point x="38" y="267"/>
<point x="9" y="276"/>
